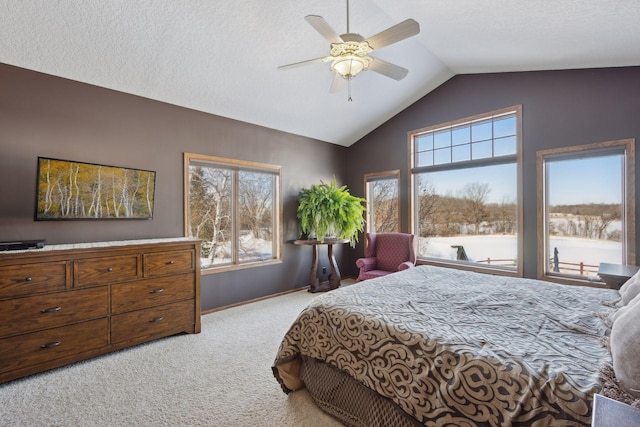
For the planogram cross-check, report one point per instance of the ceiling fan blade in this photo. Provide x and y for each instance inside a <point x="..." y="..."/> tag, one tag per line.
<point x="303" y="63"/>
<point x="323" y="28"/>
<point x="337" y="84"/>
<point x="388" y="69"/>
<point x="394" y="34"/>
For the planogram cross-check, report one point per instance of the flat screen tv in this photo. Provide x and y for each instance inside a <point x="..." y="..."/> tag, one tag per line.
<point x="70" y="190"/>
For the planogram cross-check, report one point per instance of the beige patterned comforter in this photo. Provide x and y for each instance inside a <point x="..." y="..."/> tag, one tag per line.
<point x="462" y="348"/>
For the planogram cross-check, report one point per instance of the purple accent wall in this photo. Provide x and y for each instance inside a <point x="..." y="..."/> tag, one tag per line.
<point x="42" y="115"/>
<point x="559" y="109"/>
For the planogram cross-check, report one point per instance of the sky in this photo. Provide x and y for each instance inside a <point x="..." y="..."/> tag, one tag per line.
<point x="586" y="180"/>
<point x="574" y="181"/>
<point x="500" y="178"/>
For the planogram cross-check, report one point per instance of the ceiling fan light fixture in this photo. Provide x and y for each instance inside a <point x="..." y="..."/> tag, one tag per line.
<point x="349" y="65"/>
<point x="348" y="52"/>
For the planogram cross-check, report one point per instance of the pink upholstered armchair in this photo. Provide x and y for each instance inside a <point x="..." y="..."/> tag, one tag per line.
<point x="387" y="253"/>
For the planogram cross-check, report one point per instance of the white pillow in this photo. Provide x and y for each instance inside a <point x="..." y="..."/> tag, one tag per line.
<point x="631" y="280"/>
<point x="630" y="292"/>
<point x="613" y="316"/>
<point x="625" y="348"/>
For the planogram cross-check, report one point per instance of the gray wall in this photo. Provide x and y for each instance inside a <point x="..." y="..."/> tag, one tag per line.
<point x="42" y="115"/>
<point x="559" y="109"/>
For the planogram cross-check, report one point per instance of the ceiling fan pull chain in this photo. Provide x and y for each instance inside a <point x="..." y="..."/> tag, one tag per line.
<point x="349" y="85"/>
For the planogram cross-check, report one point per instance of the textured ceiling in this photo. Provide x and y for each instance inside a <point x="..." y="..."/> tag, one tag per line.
<point x="221" y="56"/>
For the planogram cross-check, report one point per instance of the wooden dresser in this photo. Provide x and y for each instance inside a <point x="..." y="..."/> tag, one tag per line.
<point x="66" y="303"/>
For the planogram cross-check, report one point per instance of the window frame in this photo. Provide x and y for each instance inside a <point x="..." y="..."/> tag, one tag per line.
<point x="517" y="157"/>
<point x="627" y="147"/>
<point x="381" y="176"/>
<point x="278" y="221"/>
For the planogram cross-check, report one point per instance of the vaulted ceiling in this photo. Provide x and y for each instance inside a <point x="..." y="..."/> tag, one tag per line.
<point x="221" y="56"/>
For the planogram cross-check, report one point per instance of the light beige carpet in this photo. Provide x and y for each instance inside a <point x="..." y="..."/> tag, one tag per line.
<point x="220" y="377"/>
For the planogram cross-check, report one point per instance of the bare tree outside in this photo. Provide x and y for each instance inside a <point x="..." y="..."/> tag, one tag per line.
<point x="465" y="189"/>
<point x="588" y="192"/>
<point x="256" y="214"/>
<point x="383" y="215"/>
<point x="220" y="197"/>
<point x="604" y="220"/>
<point x="210" y="211"/>
<point x="475" y="196"/>
<point x="428" y="206"/>
<point x="454" y="214"/>
<point x="505" y="215"/>
<point x="589" y="220"/>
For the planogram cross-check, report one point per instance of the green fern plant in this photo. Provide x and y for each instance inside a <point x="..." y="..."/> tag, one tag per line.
<point x="324" y="205"/>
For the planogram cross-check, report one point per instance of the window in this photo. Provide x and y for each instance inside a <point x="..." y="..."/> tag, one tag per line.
<point x="586" y="199"/>
<point x="383" y="201"/>
<point x="234" y="208"/>
<point x="465" y="195"/>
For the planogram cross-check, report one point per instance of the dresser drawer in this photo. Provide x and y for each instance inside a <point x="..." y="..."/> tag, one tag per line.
<point x="29" y="279"/>
<point x="44" y="311"/>
<point x="151" y="292"/>
<point x="167" y="263"/>
<point x="99" y="271"/>
<point x="38" y="347"/>
<point x="153" y="322"/>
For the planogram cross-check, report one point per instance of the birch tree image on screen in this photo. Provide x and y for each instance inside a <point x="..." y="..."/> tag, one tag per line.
<point x="70" y="190"/>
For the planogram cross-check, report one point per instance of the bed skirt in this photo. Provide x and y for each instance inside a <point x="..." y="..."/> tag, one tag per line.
<point x="348" y="400"/>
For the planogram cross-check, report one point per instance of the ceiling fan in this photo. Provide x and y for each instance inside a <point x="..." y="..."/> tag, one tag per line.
<point x="349" y="52"/>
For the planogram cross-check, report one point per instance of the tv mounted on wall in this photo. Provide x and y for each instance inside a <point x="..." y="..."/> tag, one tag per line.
<point x="70" y="190"/>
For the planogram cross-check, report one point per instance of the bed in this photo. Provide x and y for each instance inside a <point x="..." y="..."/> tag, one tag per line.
<point x="438" y="346"/>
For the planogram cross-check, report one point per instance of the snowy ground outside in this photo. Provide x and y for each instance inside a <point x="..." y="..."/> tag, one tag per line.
<point x="477" y="247"/>
<point x="500" y="247"/>
<point x="251" y="249"/>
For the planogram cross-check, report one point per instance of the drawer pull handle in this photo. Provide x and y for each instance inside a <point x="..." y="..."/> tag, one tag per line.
<point x="51" y="310"/>
<point x="109" y="269"/>
<point x="52" y="345"/>
<point x="170" y="262"/>
<point x="156" y="320"/>
<point x="156" y="291"/>
<point x="28" y="279"/>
